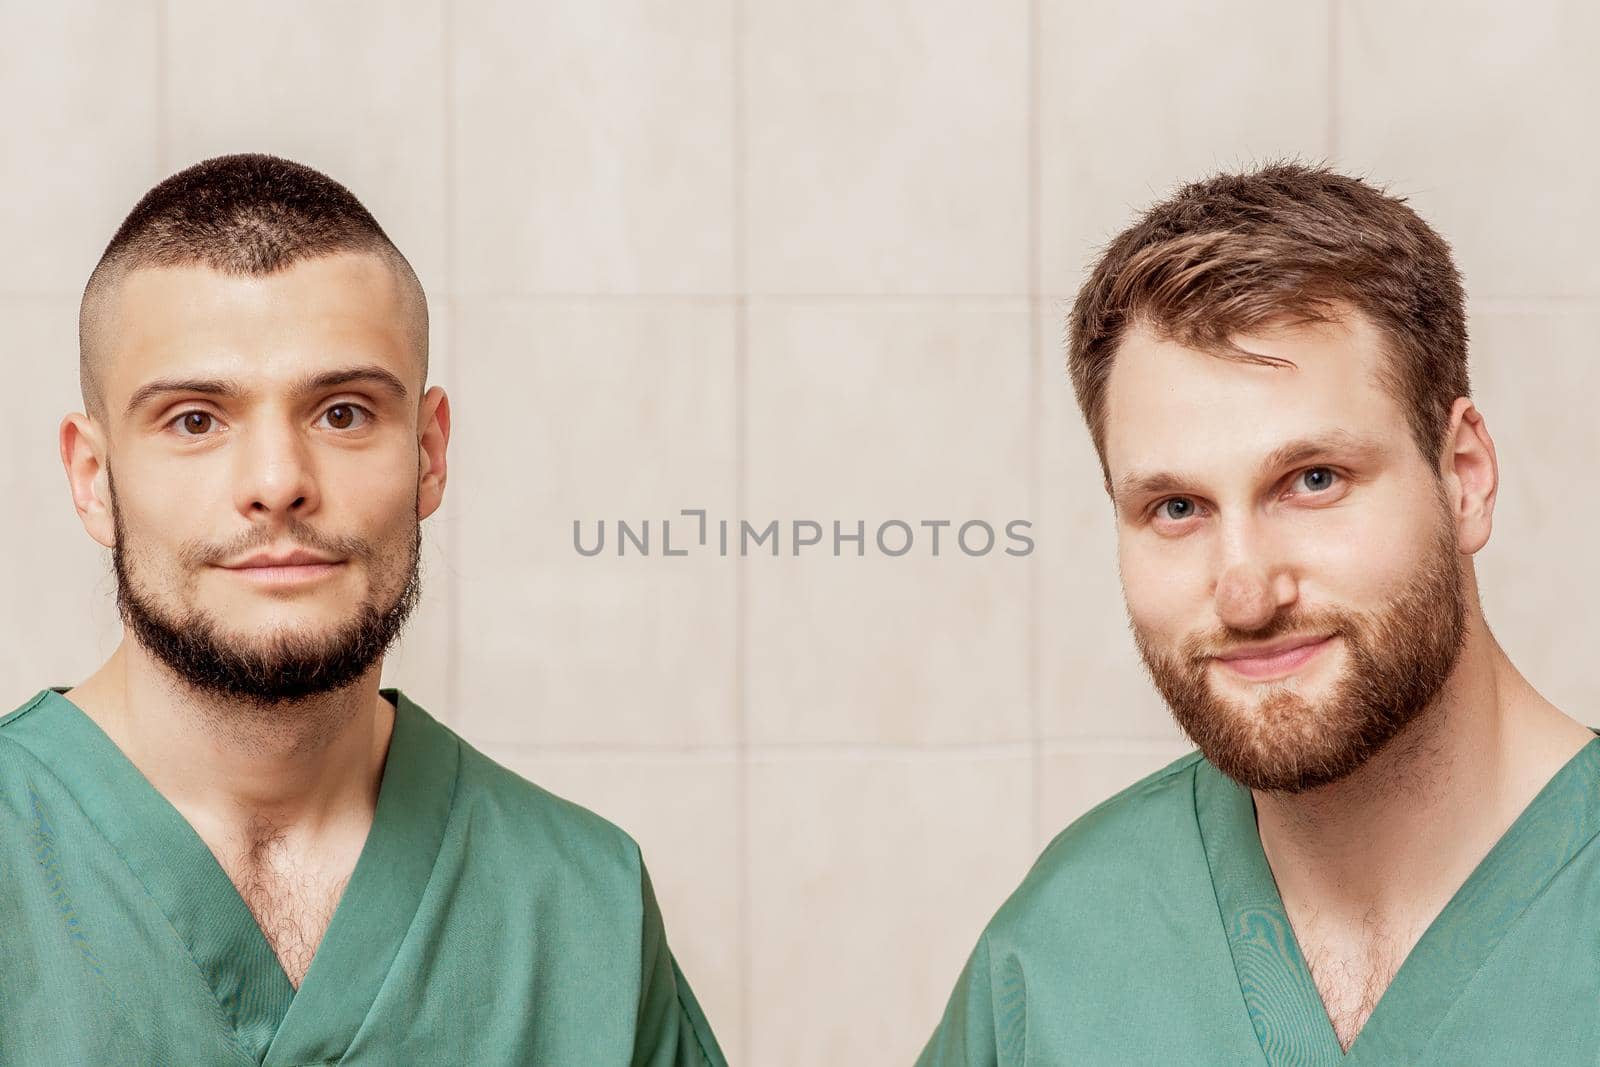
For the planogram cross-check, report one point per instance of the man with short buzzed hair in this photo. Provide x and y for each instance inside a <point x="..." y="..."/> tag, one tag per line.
<point x="229" y="845"/>
<point x="1383" y="850"/>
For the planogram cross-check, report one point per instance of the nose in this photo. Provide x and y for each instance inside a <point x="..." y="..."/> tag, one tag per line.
<point x="1255" y="579"/>
<point x="275" y="472"/>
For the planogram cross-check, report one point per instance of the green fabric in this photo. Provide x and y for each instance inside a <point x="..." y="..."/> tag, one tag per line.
<point x="1151" y="931"/>
<point x="486" y="921"/>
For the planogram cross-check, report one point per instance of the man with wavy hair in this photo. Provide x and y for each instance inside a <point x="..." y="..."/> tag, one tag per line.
<point x="229" y="845"/>
<point x="1382" y="850"/>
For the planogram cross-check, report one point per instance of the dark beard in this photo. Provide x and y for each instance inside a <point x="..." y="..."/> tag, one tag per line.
<point x="292" y="667"/>
<point x="1398" y="660"/>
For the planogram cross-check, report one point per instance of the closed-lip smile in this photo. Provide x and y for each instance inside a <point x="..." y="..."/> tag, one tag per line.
<point x="1272" y="648"/>
<point x="1274" y="659"/>
<point x="298" y="558"/>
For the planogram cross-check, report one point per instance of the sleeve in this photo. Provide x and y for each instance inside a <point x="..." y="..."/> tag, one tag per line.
<point x="671" y="1030"/>
<point x="966" y="1035"/>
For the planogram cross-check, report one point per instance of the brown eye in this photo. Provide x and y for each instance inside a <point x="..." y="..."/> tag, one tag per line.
<point x="344" y="416"/>
<point x="196" y="421"/>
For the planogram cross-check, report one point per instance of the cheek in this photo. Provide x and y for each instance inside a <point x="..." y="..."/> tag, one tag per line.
<point x="389" y="514"/>
<point x="384" y="519"/>
<point x="1164" y="589"/>
<point x="379" y="487"/>
<point x="1359" y="557"/>
<point x="168" y="504"/>
<point x="370" y="483"/>
<point x="156" y="531"/>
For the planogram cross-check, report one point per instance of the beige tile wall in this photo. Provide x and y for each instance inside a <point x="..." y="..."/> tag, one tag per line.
<point x="802" y="261"/>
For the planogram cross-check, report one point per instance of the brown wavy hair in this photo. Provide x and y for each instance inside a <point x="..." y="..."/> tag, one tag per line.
<point x="1285" y="243"/>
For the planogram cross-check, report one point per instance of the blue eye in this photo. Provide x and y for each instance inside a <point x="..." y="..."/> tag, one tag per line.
<point x="1327" y="472"/>
<point x="1163" y="508"/>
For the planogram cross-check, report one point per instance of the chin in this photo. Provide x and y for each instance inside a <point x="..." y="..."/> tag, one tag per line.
<point x="1293" y="685"/>
<point x="245" y="626"/>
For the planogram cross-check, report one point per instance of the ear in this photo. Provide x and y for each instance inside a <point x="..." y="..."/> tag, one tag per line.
<point x="83" y="455"/>
<point x="1471" y="475"/>
<point x="433" y="425"/>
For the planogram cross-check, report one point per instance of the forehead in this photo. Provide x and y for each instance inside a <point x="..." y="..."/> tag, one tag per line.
<point x="332" y="310"/>
<point x="1171" y="408"/>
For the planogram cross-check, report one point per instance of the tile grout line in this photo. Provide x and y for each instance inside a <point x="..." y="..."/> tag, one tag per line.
<point x="163" y="120"/>
<point x="1333" y="81"/>
<point x="1487" y="301"/>
<point x="740" y="285"/>
<point x="453" y="671"/>
<point x="511" y="296"/>
<point x="804" y="750"/>
<point x="1035" y="428"/>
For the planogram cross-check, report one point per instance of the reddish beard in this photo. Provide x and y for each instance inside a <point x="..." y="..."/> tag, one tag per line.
<point x="1397" y="659"/>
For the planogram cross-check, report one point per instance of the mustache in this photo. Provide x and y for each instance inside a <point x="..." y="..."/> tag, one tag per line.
<point x="1202" y="648"/>
<point x="196" y="554"/>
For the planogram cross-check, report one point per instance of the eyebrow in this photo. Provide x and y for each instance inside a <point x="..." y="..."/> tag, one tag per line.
<point x="1136" y="484"/>
<point x="229" y="388"/>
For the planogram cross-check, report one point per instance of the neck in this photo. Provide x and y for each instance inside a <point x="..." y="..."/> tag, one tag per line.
<point x="1390" y="844"/>
<point x="308" y="768"/>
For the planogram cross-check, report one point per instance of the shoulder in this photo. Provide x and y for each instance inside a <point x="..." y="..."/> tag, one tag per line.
<point x="1112" y="850"/>
<point x="19" y="766"/>
<point x="17" y="714"/>
<point x="494" y="792"/>
<point x="569" y="864"/>
<point x="510" y="827"/>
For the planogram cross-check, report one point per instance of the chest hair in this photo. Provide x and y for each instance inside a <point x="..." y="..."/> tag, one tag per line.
<point x="291" y="897"/>
<point x="1351" y="982"/>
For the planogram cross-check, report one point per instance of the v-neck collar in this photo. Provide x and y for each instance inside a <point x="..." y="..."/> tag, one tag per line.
<point x="271" y="1023"/>
<point x="1282" y="1000"/>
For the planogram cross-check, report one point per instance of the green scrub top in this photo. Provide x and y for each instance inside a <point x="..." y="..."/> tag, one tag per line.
<point x="486" y="922"/>
<point x="1151" y="931"/>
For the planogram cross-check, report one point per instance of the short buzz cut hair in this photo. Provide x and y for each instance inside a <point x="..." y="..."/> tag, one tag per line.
<point x="1286" y="243"/>
<point x="245" y="214"/>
